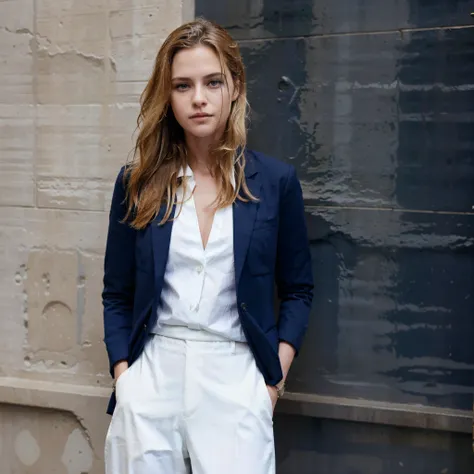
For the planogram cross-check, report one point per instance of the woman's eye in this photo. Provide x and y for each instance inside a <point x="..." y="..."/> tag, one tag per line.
<point x="215" y="83"/>
<point x="181" y="87"/>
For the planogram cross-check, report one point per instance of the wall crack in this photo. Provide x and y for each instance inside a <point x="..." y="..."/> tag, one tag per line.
<point x="45" y="44"/>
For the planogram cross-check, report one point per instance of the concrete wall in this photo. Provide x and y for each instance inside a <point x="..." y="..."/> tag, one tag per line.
<point x="72" y="72"/>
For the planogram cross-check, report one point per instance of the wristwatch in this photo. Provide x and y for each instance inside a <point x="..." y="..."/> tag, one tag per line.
<point x="280" y="388"/>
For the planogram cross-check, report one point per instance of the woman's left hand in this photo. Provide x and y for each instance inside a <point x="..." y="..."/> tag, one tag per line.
<point x="272" y="391"/>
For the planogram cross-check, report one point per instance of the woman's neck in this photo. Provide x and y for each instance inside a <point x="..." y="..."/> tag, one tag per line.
<point x="198" y="154"/>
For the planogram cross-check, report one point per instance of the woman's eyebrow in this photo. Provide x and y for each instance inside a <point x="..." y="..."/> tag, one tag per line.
<point x="208" y="76"/>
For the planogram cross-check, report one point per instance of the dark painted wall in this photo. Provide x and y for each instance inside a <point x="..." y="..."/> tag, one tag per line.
<point x="318" y="446"/>
<point x="373" y="102"/>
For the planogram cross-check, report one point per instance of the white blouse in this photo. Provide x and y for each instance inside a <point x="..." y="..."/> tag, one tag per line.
<point x="198" y="299"/>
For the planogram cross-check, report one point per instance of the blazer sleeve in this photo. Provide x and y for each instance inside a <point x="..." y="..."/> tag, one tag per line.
<point x="294" y="278"/>
<point x="119" y="278"/>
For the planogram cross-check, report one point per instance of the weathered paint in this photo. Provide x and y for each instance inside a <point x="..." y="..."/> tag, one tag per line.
<point x="291" y="18"/>
<point x="317" y="446"/>
<point x="374" y="105"/>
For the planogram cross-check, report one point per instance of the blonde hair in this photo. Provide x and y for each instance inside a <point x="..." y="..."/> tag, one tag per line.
<point x="160" y="151"/>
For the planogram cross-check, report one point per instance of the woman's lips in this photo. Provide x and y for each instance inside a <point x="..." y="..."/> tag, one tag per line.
<point x="200" y="116"/>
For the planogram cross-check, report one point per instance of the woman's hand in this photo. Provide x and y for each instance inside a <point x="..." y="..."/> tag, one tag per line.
<point x="119" y="369"/>
<point x="272" y="391"/>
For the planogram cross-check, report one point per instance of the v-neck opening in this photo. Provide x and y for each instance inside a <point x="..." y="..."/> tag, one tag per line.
<point x="211" y="230"/>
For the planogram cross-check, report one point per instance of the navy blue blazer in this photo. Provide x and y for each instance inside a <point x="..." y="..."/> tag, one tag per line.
<point x="270" y="246"/>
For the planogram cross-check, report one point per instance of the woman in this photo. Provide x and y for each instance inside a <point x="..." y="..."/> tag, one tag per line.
<point x="200" y="230"/>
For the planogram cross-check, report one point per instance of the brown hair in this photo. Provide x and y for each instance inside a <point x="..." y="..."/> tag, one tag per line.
<point x="160" y="152"/>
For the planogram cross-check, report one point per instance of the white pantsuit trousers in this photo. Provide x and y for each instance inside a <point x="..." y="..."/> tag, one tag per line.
<point x="191" y="406"/>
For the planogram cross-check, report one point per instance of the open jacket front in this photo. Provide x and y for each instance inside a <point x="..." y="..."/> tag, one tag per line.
<point x="270" y="246"/>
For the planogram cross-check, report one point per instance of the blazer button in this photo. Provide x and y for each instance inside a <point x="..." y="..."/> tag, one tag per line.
<point x="145" y="327"/>
<point x="243" y="306"/>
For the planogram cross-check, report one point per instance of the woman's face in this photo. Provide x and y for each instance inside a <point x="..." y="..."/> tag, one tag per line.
<point x="200" y="98"/>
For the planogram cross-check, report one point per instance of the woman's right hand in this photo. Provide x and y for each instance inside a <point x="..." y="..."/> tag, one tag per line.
<point x="119" y="369"/>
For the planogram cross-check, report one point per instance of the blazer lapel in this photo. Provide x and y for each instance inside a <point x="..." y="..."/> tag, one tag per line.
<point x="161" y="235"/>
<point x="244" y="214"/>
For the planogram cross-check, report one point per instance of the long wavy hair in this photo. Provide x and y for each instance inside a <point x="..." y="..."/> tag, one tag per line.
<point x="160" y="152"/>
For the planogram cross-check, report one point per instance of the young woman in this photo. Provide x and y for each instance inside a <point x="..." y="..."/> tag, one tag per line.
<point x="200" y="230"/>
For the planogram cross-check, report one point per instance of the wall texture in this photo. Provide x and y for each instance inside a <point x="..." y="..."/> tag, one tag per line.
<point x="72" y="72"/>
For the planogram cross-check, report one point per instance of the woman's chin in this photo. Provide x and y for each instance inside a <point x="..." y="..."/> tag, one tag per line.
<point x="201" y="132"/>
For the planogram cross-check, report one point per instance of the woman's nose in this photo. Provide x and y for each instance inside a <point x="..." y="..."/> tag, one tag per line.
<point x="199" y="97"/>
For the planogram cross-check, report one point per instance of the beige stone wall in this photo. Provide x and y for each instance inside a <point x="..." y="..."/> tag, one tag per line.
<point x="71" y="74"/>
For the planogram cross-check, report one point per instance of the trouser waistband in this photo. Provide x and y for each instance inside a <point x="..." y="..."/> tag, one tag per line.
<point x="188" y="334"/>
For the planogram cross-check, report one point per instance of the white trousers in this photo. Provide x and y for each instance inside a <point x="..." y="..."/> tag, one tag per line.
<point x="191" y="406"/>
